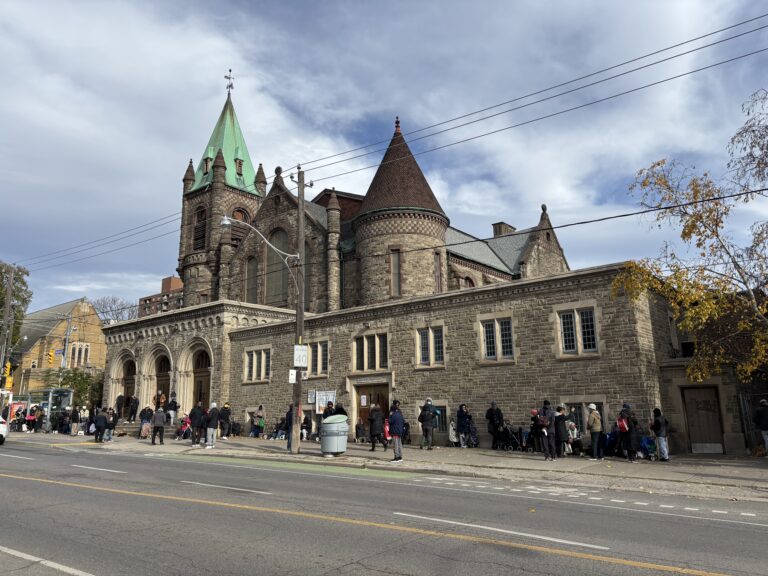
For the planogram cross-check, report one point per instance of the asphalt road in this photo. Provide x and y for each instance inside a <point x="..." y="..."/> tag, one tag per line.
<point x="90" y="511"/>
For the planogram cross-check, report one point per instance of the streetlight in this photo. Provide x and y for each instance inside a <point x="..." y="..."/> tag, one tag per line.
<point x="226" y="223"/>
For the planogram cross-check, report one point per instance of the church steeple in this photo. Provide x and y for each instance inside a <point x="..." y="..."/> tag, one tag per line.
<point x="227" y="138"/>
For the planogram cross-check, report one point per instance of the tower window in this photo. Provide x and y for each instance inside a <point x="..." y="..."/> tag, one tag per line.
<point x="239" y="166"/>
<point x="394" y="270"/>
<point x="198" y="238"/>
<point x="207" y="165"/>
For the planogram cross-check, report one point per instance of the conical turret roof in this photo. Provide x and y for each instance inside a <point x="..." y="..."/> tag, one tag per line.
<point x="399" y="182"/>
<point x="227" y="137"/>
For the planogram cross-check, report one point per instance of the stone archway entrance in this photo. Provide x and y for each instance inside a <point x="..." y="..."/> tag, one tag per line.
<point x="163" y="377"/>
<point x="201" y="378"/>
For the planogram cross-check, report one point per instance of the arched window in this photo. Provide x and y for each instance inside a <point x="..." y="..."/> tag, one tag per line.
<point x="198" y="238"/>
<point x="251" y="275"/>
<point x="239" y="232"/>
<point x="277" y="273"/>
<point x="468" y="282"/>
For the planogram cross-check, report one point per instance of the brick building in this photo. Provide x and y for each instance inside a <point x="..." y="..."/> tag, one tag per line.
<point x="171" y="297"/>
<point x="399" y="304"/>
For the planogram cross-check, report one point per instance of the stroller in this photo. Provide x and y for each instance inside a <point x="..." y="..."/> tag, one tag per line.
<point x="473" y="441"/>
<point x="184" y="432"/>
<point x="510" y="440"/>
<point x="648" y="448"/>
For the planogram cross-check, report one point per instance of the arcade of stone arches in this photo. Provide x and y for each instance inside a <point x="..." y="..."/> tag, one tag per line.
<point x="188" y="377"/>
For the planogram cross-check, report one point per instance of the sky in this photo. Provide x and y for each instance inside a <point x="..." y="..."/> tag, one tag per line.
<point x="104" y="103"/>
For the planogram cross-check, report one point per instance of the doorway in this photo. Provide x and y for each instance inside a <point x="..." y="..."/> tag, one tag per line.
<point x="367" y="396"/>
<point x="702" y="416"/>
<point x="202" y="379"/>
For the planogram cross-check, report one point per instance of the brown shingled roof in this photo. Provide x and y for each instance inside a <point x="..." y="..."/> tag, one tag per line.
<point x="399" y="182"/>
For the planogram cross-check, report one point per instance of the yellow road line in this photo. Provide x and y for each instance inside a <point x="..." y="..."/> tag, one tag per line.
<point x="380" y="525"/>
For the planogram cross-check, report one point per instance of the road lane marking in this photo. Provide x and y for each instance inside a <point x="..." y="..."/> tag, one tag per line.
<point x="747" y="514"/>
<point x="99" y="469"/>
<point x="619" y="501"/>
<point x="187" y="459"/>
<point x="545" y="550"/>
<point x="665" y="506"/>
<point x="594" y="498"/>
<point x="227" y="487"/>
<point x="19" y="457"/>
<point x="719" y="512"/>
<point x="44" y="562"/>
<point x="502" y="531"/>
<point x="691" y="509"/>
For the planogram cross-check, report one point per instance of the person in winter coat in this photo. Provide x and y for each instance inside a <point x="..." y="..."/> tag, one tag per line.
<point x="197" y="422"/>
<point x="595" y="429"/>
<point x="134" y="409"/>
<point x="396" y="430"/>
<point x="495" y="423"/>
<point x="74" y="421"/>
<point x="561" y="432"/>
<point x="339" y="410"/>
<point x="158" y="425"/>
<point x="225" y="415"/>
<point x="111" y="423"/>
<point x="172" y="409"/>
<point x="660" y="427"/>
<point x="145" y="415"/>
<point x="548" y="439"/>
<point x="376" y="427"/>
<point x="760" y="418"/>
<point x="100" y="423"/>
<point x="211" y="426"/>
<point x="289" y="426"/>
<point x="629" y="438"/>
<point x="427" y="419"/>
<point x="119" y="404"/>
<point x="463" y="419"/>
<point x="328" y="410"/>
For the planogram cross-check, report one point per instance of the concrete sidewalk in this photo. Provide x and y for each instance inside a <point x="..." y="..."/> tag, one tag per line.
<point x="712" y="476"/>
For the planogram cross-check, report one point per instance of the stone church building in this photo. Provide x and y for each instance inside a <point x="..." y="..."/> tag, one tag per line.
<point x="399" y="305"/>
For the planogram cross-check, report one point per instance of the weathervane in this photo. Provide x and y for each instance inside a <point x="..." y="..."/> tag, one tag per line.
<point x="229" y="78"/>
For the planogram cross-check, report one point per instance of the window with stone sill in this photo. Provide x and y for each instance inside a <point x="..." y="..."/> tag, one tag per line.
<point x="370" y="352"/>
<point x="318" y="359"/>
<point x="498" y="341"/>
<point x="578" y="332"/>
<point x="257" y="365"/>
<point x="430" y="346"/>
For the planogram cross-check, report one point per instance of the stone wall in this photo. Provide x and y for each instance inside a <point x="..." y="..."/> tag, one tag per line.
<point x="538" y="371"/>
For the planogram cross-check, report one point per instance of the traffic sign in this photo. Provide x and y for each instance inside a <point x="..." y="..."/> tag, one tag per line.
<point x="300" y="354"/>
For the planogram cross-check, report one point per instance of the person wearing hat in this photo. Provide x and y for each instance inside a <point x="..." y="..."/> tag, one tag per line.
<point x="224" y="420"/>
<point x="495" y="422"/>
<point x="396" y="430"/>
<point x="595" y="429"/>
<point x="659" y="425"/>
<point x="760" y="419"/>
<point x="427" y="419"/>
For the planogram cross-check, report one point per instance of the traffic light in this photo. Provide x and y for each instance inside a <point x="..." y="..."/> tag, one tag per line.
<point x="50" y="357"/>
<point x="7" y="369"/>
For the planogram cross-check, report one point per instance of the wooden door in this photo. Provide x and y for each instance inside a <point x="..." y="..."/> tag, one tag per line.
<point x="367" y="396"/>
<point x="702" y="414"/>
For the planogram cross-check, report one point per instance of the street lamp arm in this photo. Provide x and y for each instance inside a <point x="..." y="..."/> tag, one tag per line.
<point x="226" y="223"/>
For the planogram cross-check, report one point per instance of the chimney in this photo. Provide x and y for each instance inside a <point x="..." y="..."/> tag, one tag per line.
<point x="502" y="228"/>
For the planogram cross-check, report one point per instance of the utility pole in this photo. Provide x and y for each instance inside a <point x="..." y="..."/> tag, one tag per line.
<point x="7" y="322"/>
<point x="297" y="416"/>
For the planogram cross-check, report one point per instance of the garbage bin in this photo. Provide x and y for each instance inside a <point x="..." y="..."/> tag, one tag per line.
<point x="333" y="435"/>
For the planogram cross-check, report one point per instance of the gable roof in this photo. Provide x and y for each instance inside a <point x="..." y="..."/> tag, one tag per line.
<point x="399" y="182"/>
<point x="38" y="324"/>
<point x="510" y="247"/>
<point x="227" y="137"/>
<point x="470" y="248"/>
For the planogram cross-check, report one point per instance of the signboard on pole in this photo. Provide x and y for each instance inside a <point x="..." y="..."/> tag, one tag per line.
<point x="291" y="376"/>
<point x="310" y="397"/>
<point x="300" y="354"/>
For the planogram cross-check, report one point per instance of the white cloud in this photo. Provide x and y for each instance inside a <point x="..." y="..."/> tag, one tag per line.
<point x="105" y="102"/>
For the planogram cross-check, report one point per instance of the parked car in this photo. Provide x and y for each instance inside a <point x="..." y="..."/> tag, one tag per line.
<point x="3" y="430"/>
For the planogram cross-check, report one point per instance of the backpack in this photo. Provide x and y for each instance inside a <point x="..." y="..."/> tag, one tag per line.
<point x="542" y="420"/>
<point x="622" y="424"/>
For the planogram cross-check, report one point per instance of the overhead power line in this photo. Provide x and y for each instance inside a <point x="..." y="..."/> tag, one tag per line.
<point x="466" y="115"/>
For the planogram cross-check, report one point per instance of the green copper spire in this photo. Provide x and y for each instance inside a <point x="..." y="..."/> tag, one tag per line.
<point x="228" y="138"/>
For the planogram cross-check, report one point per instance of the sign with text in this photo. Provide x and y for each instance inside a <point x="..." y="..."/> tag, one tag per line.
<point x="291" y="376"/>
<point x="322" y="397"/>
<point x="300" y="353"/>
<point x="311" y="397"/>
